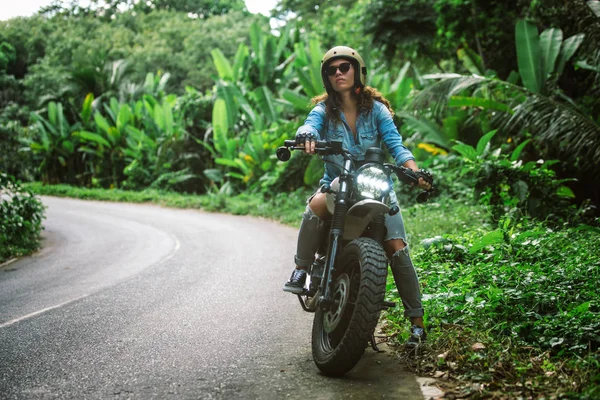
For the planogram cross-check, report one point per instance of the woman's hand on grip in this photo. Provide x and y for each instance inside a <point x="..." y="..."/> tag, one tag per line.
<point x="308" y="141"/>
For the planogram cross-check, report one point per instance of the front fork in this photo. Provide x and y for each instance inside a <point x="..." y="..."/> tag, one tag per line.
<point x="335" y="237"/>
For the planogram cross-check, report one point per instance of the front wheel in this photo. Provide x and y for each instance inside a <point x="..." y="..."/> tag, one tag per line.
<point x="341" y="333"/>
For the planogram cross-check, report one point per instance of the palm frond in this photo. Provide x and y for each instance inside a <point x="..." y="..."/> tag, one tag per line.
<point x="559" y="128"/>
<point x="434" y="98"/>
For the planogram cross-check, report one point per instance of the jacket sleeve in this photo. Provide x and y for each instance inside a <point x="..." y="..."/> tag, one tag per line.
<point x="390" y="135"/>
<point x="314" y="122"/>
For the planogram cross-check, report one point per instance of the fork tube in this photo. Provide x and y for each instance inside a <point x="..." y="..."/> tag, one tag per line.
<point x="335" y="233"/>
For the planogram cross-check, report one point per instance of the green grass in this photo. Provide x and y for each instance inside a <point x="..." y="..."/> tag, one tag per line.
<point x="285" y="207"/>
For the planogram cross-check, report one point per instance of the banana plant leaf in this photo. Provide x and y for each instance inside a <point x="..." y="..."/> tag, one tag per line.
<point x="227" y="162"/>
<point x="235" y="175"/>
<point x="167" y="111"/>
<point x="236" y="101"/>
<point x="114" y="135"/>
<point x="160" y="119"/>
<point x="401" y="96"/>
<point x="269" y="61"/>
<point x="86" y="110"/>
<point x="298" y="101"/>
<point x="264" y="99"/>
<point x="595" y="7"/>
<point x="304" y="76"/>
<point x="52" y="113"/>
<point x="46" y="128"/>
<point x="239" y="61"/>
<point x="220" y="123"/>
<point x="113" y="108"/>
<point x="569" y="47"/>
<point x="529" y="55"/>
<point x="229" y="93"/>
<point x="93" y="138"/>
<point x="282" y="43"/>
<point x="140" y="137"/>
<point x="101" y="122"/>
<point x="123" y="117"/>
<point x="550" y="44"/>
<point x="307" y="67"/>
<point x="316" y="53"/>
<point x="301" y="56"/>
<point x="222" y="65"/>
<point x="400" y="78"/>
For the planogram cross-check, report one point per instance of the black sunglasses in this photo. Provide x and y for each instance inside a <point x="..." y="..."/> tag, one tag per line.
<point x="343" y="67"/>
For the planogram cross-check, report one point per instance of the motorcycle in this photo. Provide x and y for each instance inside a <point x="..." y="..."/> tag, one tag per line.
<point x="347" y="281"/>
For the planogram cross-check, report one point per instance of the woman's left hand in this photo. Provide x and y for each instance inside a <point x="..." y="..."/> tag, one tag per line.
<point x="423" y="184"/>
<point x="425" y="180"/>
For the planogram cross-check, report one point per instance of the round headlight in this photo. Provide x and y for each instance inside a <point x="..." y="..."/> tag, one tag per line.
<point x="372" y="182"/>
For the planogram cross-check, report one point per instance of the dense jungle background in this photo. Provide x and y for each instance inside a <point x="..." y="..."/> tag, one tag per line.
<point x="184" y="102"/>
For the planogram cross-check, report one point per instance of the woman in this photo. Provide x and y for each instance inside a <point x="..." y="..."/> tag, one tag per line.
<point x="360" y="117"/>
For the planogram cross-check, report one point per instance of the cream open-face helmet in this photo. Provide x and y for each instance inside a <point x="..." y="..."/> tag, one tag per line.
<point x="347" y="53"/>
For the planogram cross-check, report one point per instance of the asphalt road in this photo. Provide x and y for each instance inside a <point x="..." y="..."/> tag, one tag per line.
<point x="138" y="301"/>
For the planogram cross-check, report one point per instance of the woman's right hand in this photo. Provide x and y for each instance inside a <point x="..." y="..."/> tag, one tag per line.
<point x="308" y="141"/>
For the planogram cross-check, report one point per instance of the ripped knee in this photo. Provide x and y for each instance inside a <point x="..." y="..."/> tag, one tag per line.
<point x="309" y="214"/>
<point x="392" y="246"/>
<point x="401" y="257"/>
<point x="402" y="250"/>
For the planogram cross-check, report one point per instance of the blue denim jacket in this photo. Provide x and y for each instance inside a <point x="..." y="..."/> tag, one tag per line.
<point x="371" y="128"/>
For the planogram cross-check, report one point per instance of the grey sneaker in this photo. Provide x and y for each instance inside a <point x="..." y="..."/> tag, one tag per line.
<point x="417" y="337"/>
<point x="296" y="283"/>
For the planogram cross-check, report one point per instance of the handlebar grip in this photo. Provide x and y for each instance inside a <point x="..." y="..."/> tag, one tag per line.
<point x="320" y="144"/>
<point x="407" y="175"/>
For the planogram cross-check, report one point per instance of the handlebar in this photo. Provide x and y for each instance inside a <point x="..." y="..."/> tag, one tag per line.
<point x="322" y="148"/>
<point x="404" y="174"/>
<point x="411" y="177"/>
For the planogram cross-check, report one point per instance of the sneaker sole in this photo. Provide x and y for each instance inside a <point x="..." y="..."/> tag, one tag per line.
<point x="294" y="290"/>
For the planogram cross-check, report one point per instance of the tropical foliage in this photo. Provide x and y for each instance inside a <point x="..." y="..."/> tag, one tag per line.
<point x="21" y="215"/>
<point x="501" y="100"/>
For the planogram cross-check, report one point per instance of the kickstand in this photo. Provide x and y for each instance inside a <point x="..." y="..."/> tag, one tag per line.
<point x="374" y="343"/>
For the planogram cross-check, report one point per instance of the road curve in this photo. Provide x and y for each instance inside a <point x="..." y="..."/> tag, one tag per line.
<point x="139" y="302"/>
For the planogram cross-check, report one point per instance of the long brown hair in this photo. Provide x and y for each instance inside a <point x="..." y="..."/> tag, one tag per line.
<point x="365" y="99"/>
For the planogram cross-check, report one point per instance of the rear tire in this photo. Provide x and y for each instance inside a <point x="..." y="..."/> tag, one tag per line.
<point x="341" y="334"/>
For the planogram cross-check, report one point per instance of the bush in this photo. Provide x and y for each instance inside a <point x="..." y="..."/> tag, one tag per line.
<point x="21" y="215"/>
<point x="513" y="188"/>
<point x="516" y="309"/>
<point x="535" y="285"/>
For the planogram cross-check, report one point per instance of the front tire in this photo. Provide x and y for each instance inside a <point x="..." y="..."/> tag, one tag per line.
<point x="340" y="334"/>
